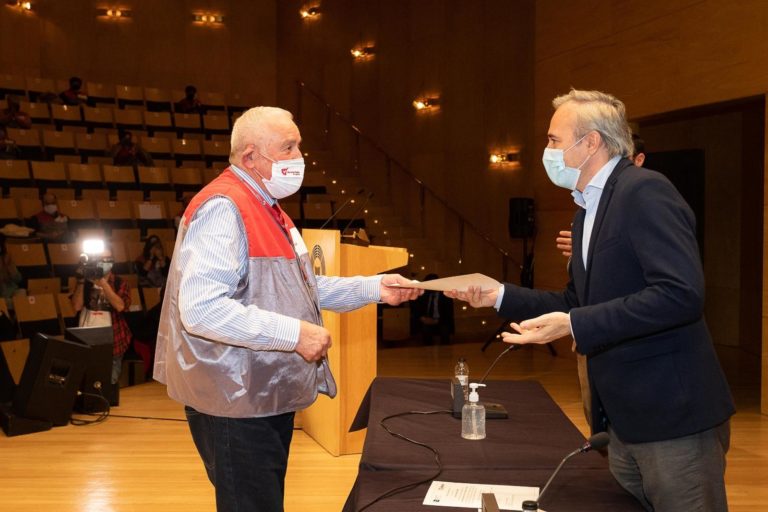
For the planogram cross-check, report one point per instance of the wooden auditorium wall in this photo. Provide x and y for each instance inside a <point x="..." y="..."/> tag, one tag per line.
<point x="658" y="57"/>
<point x="159" y="45"/>
<point x="475" y="56"/>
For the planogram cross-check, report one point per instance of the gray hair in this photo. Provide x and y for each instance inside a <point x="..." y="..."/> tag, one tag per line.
<point x="253" y="127"/>
<point x="602" y="113"/>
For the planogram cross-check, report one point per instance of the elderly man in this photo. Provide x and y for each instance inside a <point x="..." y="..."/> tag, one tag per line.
<point x="634" y="306"/>
<point x="241" y="342"/>
<point x="50" y="224"/>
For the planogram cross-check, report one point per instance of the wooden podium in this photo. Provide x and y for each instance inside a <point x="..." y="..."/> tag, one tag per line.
<point x="353" y="354"/>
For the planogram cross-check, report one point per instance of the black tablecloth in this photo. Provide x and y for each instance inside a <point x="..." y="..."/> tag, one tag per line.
<point x="523" y="449"/>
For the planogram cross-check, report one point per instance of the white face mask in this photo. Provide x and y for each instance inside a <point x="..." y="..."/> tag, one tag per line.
<point x="286" y="179"/>
<point x="559" y="173"/>
<point x="50" y="209"/>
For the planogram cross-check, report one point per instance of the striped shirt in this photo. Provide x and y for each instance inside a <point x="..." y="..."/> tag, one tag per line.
<point x="214" y="259"/>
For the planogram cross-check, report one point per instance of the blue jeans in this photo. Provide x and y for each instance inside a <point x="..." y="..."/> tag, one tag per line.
<point x="245" y="458"/>
<point x="683" y="474"/>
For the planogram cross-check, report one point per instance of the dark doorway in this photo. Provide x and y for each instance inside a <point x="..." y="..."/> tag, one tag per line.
<point x="685" y="169"/>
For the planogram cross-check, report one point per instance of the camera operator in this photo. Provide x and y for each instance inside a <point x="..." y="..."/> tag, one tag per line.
<point x="102" y="298"/>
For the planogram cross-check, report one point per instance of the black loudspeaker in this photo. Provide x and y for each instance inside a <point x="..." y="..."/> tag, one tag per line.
<point x="50" y="379"/>
<point x="522" y="222"/>
<point x="98" y="370"/>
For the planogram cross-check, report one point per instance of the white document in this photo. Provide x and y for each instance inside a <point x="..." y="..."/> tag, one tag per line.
<point x="459" y="283"/>
<point x="454" y="494"/>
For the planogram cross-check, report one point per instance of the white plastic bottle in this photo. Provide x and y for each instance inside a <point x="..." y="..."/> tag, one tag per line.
<point x="461" y="374"/>
<point x="473" y="415"/>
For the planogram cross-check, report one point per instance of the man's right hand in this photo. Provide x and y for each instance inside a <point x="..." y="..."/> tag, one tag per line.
<point x="476" y="296"/>
<point x="314" y="341"/>
<point x="565" y="243"/>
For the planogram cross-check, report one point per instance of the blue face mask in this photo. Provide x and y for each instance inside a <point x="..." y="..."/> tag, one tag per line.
<point x="559" y="173"/>
<point x="106" y="267"/>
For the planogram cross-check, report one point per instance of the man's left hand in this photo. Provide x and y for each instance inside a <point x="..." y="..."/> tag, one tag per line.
<point x="540" y="330"/>
<point x="396" y="295"/>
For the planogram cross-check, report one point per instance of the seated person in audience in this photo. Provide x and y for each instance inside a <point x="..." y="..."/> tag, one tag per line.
<point x="50" y="224"/>
<point x="190" y="104"/>
<point x="10" y="277"/>
<point x="14" y="117"/>
<point x="102" y="298"/>
<point x="8" y="148"/>
<point x="74" y="95"/>
<point x="152" y="264"/>
<point x="128" y="152"/>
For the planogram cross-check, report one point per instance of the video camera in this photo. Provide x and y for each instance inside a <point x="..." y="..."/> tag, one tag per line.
<point x="90" y="258"/>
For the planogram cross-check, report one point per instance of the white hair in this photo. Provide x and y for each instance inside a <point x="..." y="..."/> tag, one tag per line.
<point x="254" y="127"/>
<point x="603" y="113"/>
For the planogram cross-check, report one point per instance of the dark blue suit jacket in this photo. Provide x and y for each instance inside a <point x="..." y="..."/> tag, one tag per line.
<point x="637" y="312"/>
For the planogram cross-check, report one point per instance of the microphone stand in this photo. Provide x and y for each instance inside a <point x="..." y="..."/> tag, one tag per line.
<point x="350" y="199"/>
<point x="357" y="214"/>
<point x="596" y="442"/>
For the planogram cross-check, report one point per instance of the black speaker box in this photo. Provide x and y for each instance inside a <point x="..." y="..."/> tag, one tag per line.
<point x="98" y="371"/>
<point x="50" y="379"/>
<point x="522" y="221"/>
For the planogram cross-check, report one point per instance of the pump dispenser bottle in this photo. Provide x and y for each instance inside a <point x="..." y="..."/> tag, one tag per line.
<point x="473" y="415"/>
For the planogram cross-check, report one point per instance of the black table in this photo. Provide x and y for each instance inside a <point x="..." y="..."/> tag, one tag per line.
<point x="521" y="450"/>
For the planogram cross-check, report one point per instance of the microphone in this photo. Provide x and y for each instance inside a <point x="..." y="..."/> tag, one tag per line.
<point x="357" y="212"/>
<point x="596" y="442"/>
<point x="493" y="411"/>
<point x="349" y="200"/>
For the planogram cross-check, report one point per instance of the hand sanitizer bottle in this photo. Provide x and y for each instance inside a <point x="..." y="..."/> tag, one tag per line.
<point x="473" y="415"/>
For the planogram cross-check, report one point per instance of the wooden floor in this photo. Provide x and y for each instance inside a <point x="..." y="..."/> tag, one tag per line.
<point x="147" y="465"/>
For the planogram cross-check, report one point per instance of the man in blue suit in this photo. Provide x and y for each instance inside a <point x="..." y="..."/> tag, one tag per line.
<point x="634" y="307"/>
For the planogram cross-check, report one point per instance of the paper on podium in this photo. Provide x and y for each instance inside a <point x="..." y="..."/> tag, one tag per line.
<point x="463" y="495"/>
<point x="459" y="283"/>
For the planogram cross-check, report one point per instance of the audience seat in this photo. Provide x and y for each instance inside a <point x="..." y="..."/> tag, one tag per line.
<point x="64" y="258"/>
<point x="9" y="211"/>
<point x="49" y="174"/>
<point x="129" y="119"/>
<point x="37" y="87"/>
<point x="37" y="313"/>
<point x="28" y="141"/>
<point x="82" y="213"/>
<point x="67" y="314"/>
<point x="130" y="195"/>
<point x="43" y="285"/>
<point x="101" y="117"/>
<point x="115" y="214"/>
<point x="91" y="144"/>
<point x="29" y="258"/>
<point x="154" y="178"/>
<point x="12" y="85"/>
<point x="83" y="176"/>
<point x="129" y="95"/>
<point x="15" y="172"/>
<point x="158" y="122"/>
<point x="66" y="115"/>
<point x="100" y="93"/>
<point x="157" y="100"/>
<point x="39" y="113"/>
<point x="187" y="123"/>
<point x="126" y="235"/>
<point x="95" y="194"/>
<point x="119" y="177"/>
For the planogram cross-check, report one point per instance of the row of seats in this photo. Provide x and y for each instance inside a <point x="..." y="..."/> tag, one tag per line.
<point x="32" y="87"/>
<point x="52" y="312"/>
<point x="52" y="142"/>
<point x="84" y="213"/>
<point x="16" y="173"/>
<point x="108" y="117"/>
